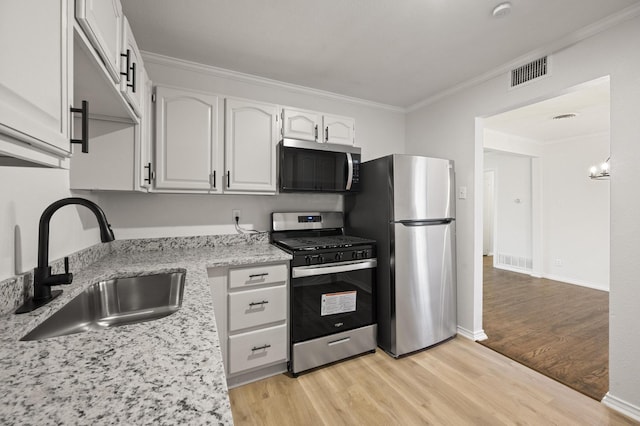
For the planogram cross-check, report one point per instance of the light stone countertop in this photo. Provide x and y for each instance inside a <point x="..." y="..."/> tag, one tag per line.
<point x="167" y="371"/>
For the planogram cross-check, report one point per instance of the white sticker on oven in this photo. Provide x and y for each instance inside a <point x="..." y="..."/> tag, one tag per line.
<point x="337" y="303"/>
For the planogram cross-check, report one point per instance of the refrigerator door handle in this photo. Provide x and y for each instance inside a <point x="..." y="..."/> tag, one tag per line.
<point x="427" y="222"/>
<point x="349" y="171"/>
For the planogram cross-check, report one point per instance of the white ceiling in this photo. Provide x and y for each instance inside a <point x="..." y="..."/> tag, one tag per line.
<point x="393" y="52"/>
<point x="590" y="103"/>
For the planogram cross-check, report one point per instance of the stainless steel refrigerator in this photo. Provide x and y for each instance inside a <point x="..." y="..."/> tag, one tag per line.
<point x="407" y="205"/>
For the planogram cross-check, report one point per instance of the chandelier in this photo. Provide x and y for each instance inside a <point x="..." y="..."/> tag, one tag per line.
<point x="601" y="172"/>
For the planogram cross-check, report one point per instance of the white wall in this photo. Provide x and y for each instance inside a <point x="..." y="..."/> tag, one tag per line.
<point x="513" y="233"/>
<point x="576" y="212"/>
<point x="573" y="209"/>
<point x="448" y="128"/>
<point x="26" y="192"/>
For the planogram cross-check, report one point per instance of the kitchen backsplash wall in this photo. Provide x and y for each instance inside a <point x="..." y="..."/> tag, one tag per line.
<point x="25" y="193"/>
<point x="172" y="215"/>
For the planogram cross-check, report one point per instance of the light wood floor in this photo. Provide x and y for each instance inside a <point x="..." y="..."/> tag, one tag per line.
<point x="558" y="329"/>
<point x="456" y="383"/>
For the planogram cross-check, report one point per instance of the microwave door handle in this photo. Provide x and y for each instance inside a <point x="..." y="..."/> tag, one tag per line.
<point x="349" y="171"/>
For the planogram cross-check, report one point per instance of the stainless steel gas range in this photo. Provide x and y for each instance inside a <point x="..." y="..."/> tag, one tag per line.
<point x="333" y="284"/>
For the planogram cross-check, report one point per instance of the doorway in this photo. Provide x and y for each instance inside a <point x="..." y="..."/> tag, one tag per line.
<point x="546" y="296"/>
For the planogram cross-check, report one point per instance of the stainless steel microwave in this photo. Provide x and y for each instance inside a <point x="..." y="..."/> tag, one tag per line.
<point x="306" y="166"/>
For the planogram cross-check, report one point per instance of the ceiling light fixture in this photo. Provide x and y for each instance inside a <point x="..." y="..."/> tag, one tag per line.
<point x="501" y="10"/>
<point x="602" y="173"/>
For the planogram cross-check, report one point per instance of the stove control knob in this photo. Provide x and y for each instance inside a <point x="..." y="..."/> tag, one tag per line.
<point x="307" y="260"/>
<point x="338" y="256"/>
<point x="320" y="258"/>
<point x="354" y="255"/>
<point x="365" y="253"/>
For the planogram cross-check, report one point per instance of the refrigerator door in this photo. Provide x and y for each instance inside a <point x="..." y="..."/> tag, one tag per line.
<point x="422" y="188"/>
<point x="425" y="285"/>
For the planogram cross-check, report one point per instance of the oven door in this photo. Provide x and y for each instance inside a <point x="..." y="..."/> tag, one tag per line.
<point x="331" y="298"/>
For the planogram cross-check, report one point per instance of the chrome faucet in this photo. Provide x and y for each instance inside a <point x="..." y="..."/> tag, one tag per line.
<point x="42" y="278"/>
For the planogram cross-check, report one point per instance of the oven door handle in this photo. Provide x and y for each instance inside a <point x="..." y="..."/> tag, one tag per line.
<point x="310" y="271"/>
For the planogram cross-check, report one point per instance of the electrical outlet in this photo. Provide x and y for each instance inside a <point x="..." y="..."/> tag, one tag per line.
<point x="235" y="213"/>
<point x="558" y="262"/>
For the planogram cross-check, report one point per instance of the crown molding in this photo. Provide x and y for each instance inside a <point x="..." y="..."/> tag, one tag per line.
<point x="554" y="47"/>
<point x="261" y="81"/>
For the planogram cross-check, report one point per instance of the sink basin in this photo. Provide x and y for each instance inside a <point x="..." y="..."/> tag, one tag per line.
<point x="115" y="302"/>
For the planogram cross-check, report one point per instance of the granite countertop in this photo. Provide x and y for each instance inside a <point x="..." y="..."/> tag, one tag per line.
<point x="167" y="371"/>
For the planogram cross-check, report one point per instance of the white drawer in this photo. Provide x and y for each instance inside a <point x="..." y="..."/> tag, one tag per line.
<point x="258" y="275"/>
<point x="257" y="348"/>
<point x="256" y="307"/>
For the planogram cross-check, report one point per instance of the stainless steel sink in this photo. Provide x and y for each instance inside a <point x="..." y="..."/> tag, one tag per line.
<point x="115" y="302"/>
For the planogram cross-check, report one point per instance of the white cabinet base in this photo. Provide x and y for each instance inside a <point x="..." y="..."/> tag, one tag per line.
<point x="255" y="375"/>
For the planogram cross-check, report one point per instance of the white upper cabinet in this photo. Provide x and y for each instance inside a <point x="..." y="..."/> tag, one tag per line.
<point x="251" y="135"/>
<point x="188" y="151"/>
<point x="132" y="69"/>
<point x="119" y="157"/>
<point x="316" y="126"/>
<point x="101" y="21"/>
<point x="301" y="124"/>
<point x="35" y="75"/>
<point x="339" y="129"/>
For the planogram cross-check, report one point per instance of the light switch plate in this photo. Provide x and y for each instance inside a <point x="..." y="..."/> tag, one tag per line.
<point x="462" y="192"/>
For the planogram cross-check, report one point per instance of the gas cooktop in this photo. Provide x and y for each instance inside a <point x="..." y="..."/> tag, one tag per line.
<point x="321" y="243"/>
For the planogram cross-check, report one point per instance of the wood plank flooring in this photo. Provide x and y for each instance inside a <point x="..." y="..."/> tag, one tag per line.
<point x="456" y="383"/>
<point x="558" y="329"/>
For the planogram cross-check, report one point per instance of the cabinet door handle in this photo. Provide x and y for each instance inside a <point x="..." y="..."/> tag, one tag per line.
<point x="149" y="174"/>
<point x="133" y="78"/>
<point x="252" y="304"/>
<point x="257" y="348"/>
<point x="212" y="178"/>
<point x="316" y="132"/>
<point x="326" y="134"/>
<point x="264" y="274"/>
<point x="84" y="141"/>
<point x="228" y="178"/>
<point x="128" y="65"/>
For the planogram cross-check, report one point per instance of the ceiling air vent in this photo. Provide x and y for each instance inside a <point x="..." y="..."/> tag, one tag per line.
<point x="528" y="72"/>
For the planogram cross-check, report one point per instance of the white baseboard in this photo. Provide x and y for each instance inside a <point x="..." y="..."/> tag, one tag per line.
<point x="472" y="335"/>
<point x="621" y="406"/>
<point x="559" y="278"/>
<point x="581" y="283"/>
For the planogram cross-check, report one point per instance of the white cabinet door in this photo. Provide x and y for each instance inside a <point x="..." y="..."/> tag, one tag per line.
<point x="145" y="171"/>
<point x="257" y="348"/>
<point x="35" y="75"/>
<point x="132" y="70"/>
<point x="301" y="124"/>
<point x="339" y="129"/>
<point x="101" y="21"/>
<point x="119" y="157"/>
<point x="187" y="145"/>
<point x="251" y="135"/>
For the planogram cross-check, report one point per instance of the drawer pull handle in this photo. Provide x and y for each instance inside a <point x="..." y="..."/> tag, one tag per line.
<point x="252" y="304"/>
<point x="336" y="342"/>
<point x="258" y="348"/>
<point x="264" y="274"/>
